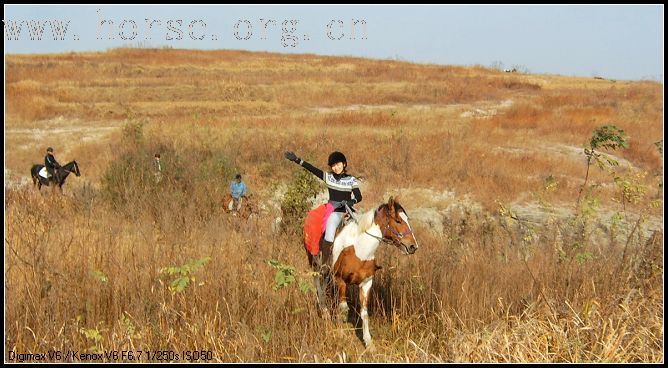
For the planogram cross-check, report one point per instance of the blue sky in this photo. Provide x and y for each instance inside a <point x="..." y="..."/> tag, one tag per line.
<point x="620" y="42"/>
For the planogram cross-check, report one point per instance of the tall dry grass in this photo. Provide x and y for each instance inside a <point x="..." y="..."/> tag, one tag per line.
<point x="90" y="262"/>
<point x="77" y="264"/>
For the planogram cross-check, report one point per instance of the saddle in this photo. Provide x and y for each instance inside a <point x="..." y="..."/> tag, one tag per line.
<point x="346" y="220"/>
<point x="44" y="173"/>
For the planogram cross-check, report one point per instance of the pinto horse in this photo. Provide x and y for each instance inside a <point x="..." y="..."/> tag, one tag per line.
<point x="354" y="249"/>
<point x="57" y="179"/>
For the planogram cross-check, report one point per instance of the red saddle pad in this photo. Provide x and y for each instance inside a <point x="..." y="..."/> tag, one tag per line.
<point x="314" y="227"/>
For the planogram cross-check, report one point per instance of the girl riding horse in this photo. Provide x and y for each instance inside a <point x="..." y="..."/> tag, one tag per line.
<point x="341" y="187"/>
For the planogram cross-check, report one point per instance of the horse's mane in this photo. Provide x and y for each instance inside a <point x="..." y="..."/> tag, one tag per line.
<point x="366" y="221"/>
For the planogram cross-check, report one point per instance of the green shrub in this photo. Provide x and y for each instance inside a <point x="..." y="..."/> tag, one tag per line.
<point x="296" y="202"/>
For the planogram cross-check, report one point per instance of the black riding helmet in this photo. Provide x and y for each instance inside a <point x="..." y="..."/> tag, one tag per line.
<point x="335" y="157"/>
<point x="50" y="149"/>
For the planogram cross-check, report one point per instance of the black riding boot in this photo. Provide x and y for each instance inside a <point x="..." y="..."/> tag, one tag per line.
<point x="326" y="257"/>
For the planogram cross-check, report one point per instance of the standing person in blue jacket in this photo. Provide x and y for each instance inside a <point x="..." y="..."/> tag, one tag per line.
<point x="238" y="191"/>
<point x="341" y="186"/>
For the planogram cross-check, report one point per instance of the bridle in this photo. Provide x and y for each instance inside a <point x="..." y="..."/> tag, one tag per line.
<point x="73" y="170"/>
<point x="399" y="235"/>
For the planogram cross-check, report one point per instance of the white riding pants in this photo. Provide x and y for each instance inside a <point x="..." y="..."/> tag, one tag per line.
<point x="332" y="223"/>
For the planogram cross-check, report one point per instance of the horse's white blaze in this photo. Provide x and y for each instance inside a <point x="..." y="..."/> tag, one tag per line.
<point x="405" y="218"/>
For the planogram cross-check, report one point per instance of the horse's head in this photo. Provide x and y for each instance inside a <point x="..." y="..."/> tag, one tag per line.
<point x="395" y="227"/>
<point x="75" y="168"/>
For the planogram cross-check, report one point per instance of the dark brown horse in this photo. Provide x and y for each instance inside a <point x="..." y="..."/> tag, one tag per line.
<point x="57" y="179"/>
<point x="353" y="257"/>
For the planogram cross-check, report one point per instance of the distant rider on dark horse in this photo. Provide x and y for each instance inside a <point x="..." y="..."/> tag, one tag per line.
<point x="51" y="164"/>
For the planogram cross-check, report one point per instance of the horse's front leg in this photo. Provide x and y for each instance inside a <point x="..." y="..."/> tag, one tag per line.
<point x="365" y="288"/>
<point x="343" y="303"/>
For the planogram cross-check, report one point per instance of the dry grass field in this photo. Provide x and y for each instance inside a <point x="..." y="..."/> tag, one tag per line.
<point x="512" y="266"/>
